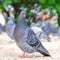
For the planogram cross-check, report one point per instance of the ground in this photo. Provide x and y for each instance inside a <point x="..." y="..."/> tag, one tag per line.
<point x="10" y="51"/>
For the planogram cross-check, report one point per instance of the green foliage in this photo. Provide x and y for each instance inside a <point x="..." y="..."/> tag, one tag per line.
<point x="51" y="2"/>
<point x="29" y="23"/>
<point x="58" y="10"/>
<point x="1" y="5"/>
<point x="42" y="1"/>
<point x="7" y="2"/>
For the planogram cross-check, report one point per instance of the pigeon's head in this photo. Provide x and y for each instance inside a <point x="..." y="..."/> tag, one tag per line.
<point x="22" y="14"/>
<point x="9" y="8"/>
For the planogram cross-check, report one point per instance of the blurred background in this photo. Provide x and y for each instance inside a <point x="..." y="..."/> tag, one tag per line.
<point x="42" y="16"/>
<point x="52" y="5"/>
<point x="41" y="13"/>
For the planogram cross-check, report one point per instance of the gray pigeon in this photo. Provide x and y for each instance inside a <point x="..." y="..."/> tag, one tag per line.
<point x="40" y="33"/>
<point x="10" y="27"/>
<point x="2" y="19"/>
<point x="10" y="24"/>
<point x="46" y="26"/>
<point x="26" y="38"/>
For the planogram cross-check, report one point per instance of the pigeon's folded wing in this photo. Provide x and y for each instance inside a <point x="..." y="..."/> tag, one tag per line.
<point x="32" y="40"/>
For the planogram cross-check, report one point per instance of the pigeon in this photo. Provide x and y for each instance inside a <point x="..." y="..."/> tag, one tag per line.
<point x="55" y="29"/>
<point x="46" y="26"/>
<point x="10" y="27"/>
<point x="26" y="39"/>
<point x="8" y="7"/>
<point x="2" y="19"/>
<point x="40" y="33"/>
<point x="10" y="24"/>
<point x="2" y="22"/>
<point x="36" y="27"/>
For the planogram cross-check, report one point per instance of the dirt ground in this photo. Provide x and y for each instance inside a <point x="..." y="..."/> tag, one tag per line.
<point x="10" y="51"/>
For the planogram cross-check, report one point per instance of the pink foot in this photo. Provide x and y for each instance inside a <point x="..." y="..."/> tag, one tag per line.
<point x="24" y="56"/>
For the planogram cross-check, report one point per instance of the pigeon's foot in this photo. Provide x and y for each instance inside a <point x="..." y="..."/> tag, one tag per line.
<point x="24" y="56"/>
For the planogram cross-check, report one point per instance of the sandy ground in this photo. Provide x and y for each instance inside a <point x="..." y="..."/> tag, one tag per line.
<point x="10" y="51"/>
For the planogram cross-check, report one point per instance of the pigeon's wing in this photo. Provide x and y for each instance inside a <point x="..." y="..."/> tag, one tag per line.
<point x="33" y="41"/>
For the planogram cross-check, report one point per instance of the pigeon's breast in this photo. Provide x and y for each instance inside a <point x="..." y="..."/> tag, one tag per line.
<point x="21" y="38"/>
<point x="18" y="34"/>
<point x="23" y="45"/>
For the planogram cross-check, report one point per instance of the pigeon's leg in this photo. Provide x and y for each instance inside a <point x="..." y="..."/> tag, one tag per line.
<point x="24" y="55"/>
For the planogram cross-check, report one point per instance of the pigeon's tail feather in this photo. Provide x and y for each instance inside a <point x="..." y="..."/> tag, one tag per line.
<point x="43" y="51"/>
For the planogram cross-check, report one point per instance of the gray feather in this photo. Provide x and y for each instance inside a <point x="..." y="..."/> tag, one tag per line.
<point x="32" y="39"/>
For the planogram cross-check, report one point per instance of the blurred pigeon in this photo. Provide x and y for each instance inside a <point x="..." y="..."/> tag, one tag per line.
<point x="10" y="24"/>
<point x="8" y="7"/>
<point x="58" y="33"/>
<point x="54" y="28"/>
<point x="33" y="11"/>
<point x="36" y="5"/>
<point x="40" y="33"/>
<point x="46" y="26"/>
<point x="10" y="27"/>
<point x="26" y="38"/>
<point x="2" y="19"/>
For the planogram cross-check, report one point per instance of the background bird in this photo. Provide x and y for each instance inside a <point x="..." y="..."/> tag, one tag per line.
<point x="40" y="33"/>
<point x="10" y="27"/>
<point x="10" y="24"/>
<point x="26" y="38"/>
<point x="2" y="22"/>
<point x="2" y="19"/>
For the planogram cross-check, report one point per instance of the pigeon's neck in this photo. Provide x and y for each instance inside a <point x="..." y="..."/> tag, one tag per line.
<point x="22" y="23"/>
